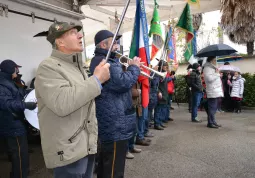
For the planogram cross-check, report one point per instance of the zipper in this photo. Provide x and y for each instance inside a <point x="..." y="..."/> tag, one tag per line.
<point x="83" y="125"/>
<point x="89" y="109"/>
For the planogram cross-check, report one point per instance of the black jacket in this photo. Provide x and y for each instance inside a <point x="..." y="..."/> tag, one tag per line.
<point x="195" y="81"/>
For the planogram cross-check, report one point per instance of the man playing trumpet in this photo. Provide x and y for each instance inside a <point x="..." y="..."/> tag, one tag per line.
<point x="114" y="111"/>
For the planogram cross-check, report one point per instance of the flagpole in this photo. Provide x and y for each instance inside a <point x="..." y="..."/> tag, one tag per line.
<point x="118" y="29"/>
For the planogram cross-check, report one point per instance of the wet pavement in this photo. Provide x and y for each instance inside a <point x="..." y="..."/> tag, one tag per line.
<point x="183" y="150"/>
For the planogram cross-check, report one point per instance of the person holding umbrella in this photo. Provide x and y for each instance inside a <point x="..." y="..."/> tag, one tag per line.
<point x="212" y="78"/>
<point x="213" y="89"/>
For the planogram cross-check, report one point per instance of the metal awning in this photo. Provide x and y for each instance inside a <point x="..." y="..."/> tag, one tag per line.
<point x="102" y="13"/>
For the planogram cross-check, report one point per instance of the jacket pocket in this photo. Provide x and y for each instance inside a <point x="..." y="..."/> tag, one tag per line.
<point x="83" y="126"/>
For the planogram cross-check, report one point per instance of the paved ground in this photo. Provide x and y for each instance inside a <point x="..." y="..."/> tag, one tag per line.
<point x="184" y="150"/>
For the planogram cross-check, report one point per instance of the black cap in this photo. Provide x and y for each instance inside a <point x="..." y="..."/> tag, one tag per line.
<point x="57" y="29"/>
<point x="104" y="34"/>
<point x="8" y="66"/>
<point x="195" y="66"/>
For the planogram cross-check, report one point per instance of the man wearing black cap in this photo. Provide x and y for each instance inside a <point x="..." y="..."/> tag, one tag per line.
<point x="161" y="111"/>
<point x="12" y="128"/>
<point x="115" y="113"/>
<point x="66" y="107"/>
<point x="196" y="89"/>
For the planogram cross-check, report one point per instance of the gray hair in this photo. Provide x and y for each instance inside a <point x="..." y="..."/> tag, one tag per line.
<point x="105" y="41"/>
<point x="54" y="45"/>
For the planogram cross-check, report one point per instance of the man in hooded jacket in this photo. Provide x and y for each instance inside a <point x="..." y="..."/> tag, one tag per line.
<point x="12" y="128"/>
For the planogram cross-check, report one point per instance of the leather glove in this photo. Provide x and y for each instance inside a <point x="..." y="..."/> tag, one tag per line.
<point x="30" y="105"/>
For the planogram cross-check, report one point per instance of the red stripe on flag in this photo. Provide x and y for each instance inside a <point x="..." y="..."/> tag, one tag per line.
<point x="154" y="51"/>
<point x="144" y="80"/>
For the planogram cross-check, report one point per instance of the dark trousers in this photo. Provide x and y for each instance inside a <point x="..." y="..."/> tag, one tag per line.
<point x="189" y="98"/>
<point x="219" y="103"/>
<point x="18" y="152"/>
<point x="227" y="102"/>
<point x="212" y="108"/>
<point x="112" y="159"/>
<point x="160" y="114"/>
<point x="131" y="141"/>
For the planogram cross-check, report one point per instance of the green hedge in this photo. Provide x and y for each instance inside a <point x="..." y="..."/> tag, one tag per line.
<point x="249" y="90"/>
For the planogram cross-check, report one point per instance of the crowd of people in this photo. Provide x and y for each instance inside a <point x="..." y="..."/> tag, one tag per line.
<point x="213" y="90"/>
<point x="97" y="118"/>
<point x="85" y="119"/>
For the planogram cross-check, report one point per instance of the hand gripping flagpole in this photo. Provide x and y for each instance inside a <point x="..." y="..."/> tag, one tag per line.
<point x="118" y="29"/>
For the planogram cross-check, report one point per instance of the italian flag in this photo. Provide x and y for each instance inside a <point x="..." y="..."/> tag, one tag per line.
<point x="140" y="47"/>
<point x="155" y="32"/>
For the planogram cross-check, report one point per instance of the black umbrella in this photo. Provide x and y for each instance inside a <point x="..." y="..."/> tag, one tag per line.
<point x="215" y="50"/>
<point x="44" y="33"/>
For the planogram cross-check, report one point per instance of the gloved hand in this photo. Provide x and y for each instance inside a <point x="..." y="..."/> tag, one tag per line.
<point x="30" y="105"/>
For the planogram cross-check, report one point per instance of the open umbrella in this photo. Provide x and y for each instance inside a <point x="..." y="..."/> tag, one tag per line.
<point x="229" y="68"/>
<point x="229" y="58"/>
<point x="216" y="50"/>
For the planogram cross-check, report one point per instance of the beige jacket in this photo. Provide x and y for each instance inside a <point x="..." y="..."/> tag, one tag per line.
<point x="65" y="97"/>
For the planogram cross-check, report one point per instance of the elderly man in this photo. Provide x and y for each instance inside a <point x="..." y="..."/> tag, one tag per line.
<point x="115" y="114"/>
<point x="66" y="107"/>
<point x="213" y="89"/>
<point x="12" y="128"/>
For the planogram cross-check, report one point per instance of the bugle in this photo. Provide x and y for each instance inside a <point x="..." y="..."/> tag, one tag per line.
<point x="124" y="61"/>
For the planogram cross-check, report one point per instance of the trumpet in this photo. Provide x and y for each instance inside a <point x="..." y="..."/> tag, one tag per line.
<point x="124" y="61"/>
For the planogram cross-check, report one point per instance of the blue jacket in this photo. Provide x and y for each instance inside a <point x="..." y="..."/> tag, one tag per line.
<point x="115" y="113"/>
<point x="11" y="107"/>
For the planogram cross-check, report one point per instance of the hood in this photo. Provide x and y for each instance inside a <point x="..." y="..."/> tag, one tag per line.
<point x="208" y="64"/>
<point x="100" y="51"/>
<point x="239" y="78"/>
<point x="5" y="76"/>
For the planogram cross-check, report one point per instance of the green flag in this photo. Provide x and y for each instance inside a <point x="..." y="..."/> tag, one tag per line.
<point x="188" y="52"/>
<point x="185" y="23"/>
<point x="156" y="31"/>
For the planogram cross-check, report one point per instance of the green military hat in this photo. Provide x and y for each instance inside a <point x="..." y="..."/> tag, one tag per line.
<point x="57" y="29"/>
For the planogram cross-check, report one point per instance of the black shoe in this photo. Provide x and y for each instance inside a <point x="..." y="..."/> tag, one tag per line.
<point x="147" y="140"/>
<point x="170" y="119"/>
<point x="158" y="128"/>
<point x="217" y="125"/>
<point x="165" y="122"/>
<point x="142" y="142"/>
<point x="212" y="126"/>
<point x="162" y="125"/>
<point x="172" y="108"/>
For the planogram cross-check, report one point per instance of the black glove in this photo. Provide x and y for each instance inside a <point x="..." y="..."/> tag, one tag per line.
<point x="30" y="105"/>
